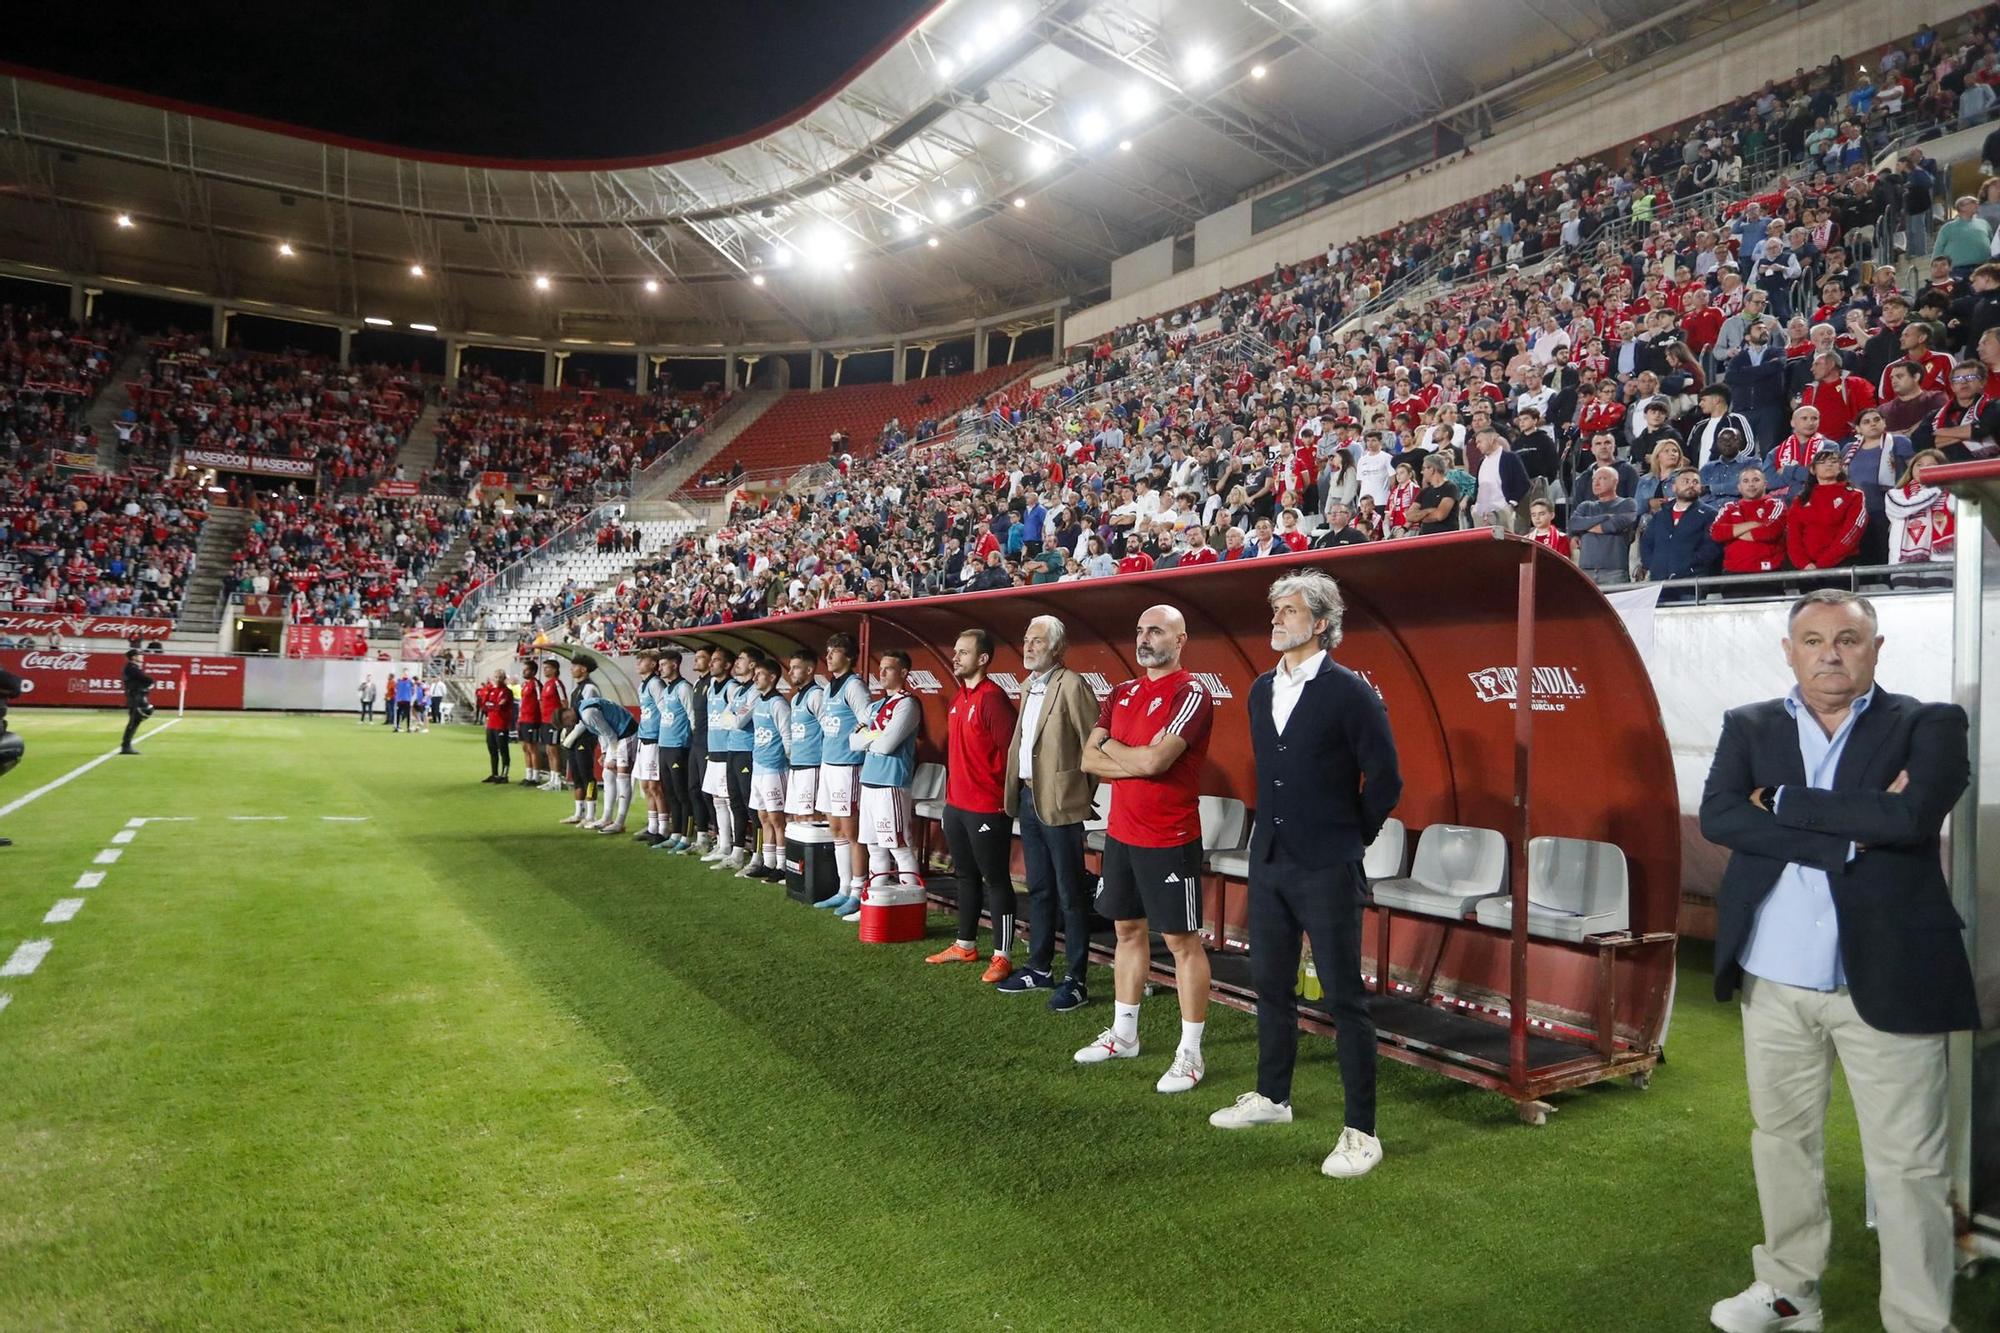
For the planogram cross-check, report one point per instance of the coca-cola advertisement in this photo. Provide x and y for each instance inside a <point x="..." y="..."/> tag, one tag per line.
<point x="68" y="679"/>
<point x="84" y="626"/>
<point x="325" y="641"/>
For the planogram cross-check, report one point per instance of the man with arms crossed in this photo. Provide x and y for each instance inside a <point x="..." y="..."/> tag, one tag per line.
<point x="646" y="766"/>
<point x="716" y="697"/>
<point x="496" y="702"/>
<point x="1326" y="780"/>
<point x="1048" y="791"/>
<point x="770" y="731"/>
<point x="678" y="715"/>
<point x="1835" y="921"/>
<point x="845" y="708"/>
<point x="976" y="828"/>
<point x="887" y="743"/>
<point x="740" y="742"/>
<point x="702" y="812"/>
<point x="1149" y="743"/>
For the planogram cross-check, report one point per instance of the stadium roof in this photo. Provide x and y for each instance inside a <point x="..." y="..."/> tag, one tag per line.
<point x="919" y="165"/>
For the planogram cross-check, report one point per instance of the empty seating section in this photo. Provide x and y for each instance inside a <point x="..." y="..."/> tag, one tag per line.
<point x="795" y="430"/>
<point x="581" y="575"/>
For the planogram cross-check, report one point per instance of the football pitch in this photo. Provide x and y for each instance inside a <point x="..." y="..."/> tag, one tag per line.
<point x="345" y="1038"/>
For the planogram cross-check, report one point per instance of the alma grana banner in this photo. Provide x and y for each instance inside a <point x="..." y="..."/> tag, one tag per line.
<point x="84" y="626"/>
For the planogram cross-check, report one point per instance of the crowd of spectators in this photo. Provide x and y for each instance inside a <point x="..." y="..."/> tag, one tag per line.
<point x="345" y="561"/>
<point x="51" y="370"/>
<point x="88" y="543"/>
<point x="574" y="440"/>
<point x="351" y="421"/>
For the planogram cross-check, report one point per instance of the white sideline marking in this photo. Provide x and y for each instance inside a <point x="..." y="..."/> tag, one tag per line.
<point x="138" y="821"/>
<point x="125" y="835"/>
<point x="64" y="910"/>
<point x="90" y="879"/>
<point x="26" y="958"/>
<point x="345" y="819"/>
<point x="107" y="857"/>
<point x="77" y="772"/>
<point x="143" y="820"/>
<point x="257" y="819"/>
<point x="5" y="999"/>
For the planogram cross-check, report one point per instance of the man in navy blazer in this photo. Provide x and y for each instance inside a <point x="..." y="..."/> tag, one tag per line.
<point x="1835" y="921"/>
<point x="1326" y="781"/>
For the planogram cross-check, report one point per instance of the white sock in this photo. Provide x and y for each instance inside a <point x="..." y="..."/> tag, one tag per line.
<point x="1124" y="1021"/>
<point x="843" y="864"/>
<point x="624" y="805"/>
<point x="725" y="825"/>
<point x="774" y="857"/>
<point x="582" y="809"/>
<point x="1191" y="1036"/>
<point x="967" y="945"/>
<point x="879" y="863"/>
<point x="906" y="865"/>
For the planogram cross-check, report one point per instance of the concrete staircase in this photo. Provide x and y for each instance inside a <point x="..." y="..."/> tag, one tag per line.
<point x="114" y="399"/>
<point x="201" y="608"/>
<point x="663" y="479"/>
<point x="420" y="447"/>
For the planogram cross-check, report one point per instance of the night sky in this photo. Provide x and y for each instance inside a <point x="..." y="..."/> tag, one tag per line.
<point x="533" y="82"/>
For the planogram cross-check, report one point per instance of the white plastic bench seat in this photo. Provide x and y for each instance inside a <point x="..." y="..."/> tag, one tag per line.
<point x="927" y="791"/>
<point x="1384" y="857"/>
<point x="1577" y="887"/>
<point x="1456" y="866"/>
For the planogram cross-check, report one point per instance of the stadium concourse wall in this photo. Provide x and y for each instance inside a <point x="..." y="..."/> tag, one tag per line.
<point x="1648" y="99"/>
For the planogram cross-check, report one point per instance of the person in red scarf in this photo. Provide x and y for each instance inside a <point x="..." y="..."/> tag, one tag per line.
<point x="1838" y="396"/>
<point x="1823" y="526"/>
<point x="1602" y="413"/>
<point x="1751" y="528"/>
<point x="1543" y="531"/>
<point x="1786" y="466"/>
<point x="1926" y="525"/>
<point x="1968" y="424"/>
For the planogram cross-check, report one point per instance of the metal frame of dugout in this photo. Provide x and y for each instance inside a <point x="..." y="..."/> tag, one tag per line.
<point x="1444" y="628"/>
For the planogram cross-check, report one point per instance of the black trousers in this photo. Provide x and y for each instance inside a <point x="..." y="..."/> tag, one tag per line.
<point x="581" y="758"/>
<point x="674" y="781"/>
<point x="738" y="769"/>
<point x="367" y="710"/>
<point x="702" y="807"/>
<point x="133" y="717"/>
<point x="388" y="710"/>
<point x="1057" y="886"/>
<point x="499" y="757"/>
<point x="1288" y="901"/>
<point x="980" y="862"/>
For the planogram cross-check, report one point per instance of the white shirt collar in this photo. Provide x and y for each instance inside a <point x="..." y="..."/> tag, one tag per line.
<point x="1307" y="669"/>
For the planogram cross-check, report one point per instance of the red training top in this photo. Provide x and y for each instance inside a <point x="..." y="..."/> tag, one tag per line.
<point x="498" y="701"/>
<point x="552" y="699"/>
<point x="1163" y="811"/>
<point x="982" y="723"/>
<point x="531" y="704"/>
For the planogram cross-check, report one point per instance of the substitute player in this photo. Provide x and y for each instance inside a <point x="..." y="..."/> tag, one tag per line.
<point x="678" y="715"/>
<point x="529" y="711"/>
<point x="579" y="743"/>
<point x="496" y="702"/>
<point x="702" y="812"/>
<point x="646" y="767"/>
<point x="888" y="745"/>
<point x="740" y="743"/>
<point x="770" y="730"/>
<point x="554" y="700"/>
<point x="845" y="708"/>
<point x="716" y="701"/>
<point x="976" y="826"/>
<point x="1149" y="742"/>
<point x="607" y="727"/>
<point x="805" y="743"/>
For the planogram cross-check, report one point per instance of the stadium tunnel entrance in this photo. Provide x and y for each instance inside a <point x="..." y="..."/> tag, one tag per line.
<point x="1444" y="628"/>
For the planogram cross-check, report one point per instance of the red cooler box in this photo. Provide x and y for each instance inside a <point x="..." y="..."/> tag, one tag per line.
<point x="892" y="912"/>
<point x="810" y="875"/>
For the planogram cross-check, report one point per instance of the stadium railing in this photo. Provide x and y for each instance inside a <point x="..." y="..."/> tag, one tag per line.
<point x="465" y="616"/>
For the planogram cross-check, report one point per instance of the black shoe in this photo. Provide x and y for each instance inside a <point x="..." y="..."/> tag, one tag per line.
<point x="128" y="750"/>
<point x="650" y="838"/>
<point x="6" y="842"/>
<point x="1069" y="994"/>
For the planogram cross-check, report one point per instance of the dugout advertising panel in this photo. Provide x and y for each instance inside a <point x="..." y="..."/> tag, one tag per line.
<point x="1444" y="628"/>
<point x="69" y="678"/>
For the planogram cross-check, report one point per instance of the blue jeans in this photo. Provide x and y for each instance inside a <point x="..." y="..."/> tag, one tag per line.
<point x="1054" y="856"/>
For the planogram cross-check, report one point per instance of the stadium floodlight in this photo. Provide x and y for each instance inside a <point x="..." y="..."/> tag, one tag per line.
<point x="943" y="209"/>
<point x="945" y="66"/>
<point x="907" y="224"/>
<point x="378" y="321"/>
<point x="967" y="197"/>
<point x="1020" y="201"/>
<point x="781" y="256"/>
<point x="285" y="249"/>
<point x="756" y="280"/>
<point x="425" y="328"/>
<point x="1041" y="157"/>
<point x="1135" y="101"/>
<point x="124" y="219"/>
<point x="1124" y="145"/>
<point x="1258" y="71"/>
<point x="541" y="282"/>
<point x="1199" y="62"/>
<point x="1090" y="126"/>
<point x="932" y="242"/>
<point x="652" y="286"/>
<point x="416" y="270"/>
<point x="849" y="266"/>
<point x="825" y="246"/>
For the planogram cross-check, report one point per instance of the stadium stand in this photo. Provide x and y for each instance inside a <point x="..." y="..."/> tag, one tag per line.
<point x="50" y="372"/>
<point x="85" y="542"/>
<point x="578" y="441"/>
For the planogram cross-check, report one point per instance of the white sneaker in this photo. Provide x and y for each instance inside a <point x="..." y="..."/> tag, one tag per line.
<point x="1762" y="1308"/>
<point x="716" y="854"/>
<point x="852" y="917"/>
<point x="702" y="845"/>
<point x="1107" y="1046"/>
<point x="573" y="819"/>
<point x="610" y="828"/>
<point x="1183" y="1073"/>
<point x="1252" y="1108"/>
<point x="734" y="861"/>
<point x="1355" y="1154"/>
<point x="551" y="785"/>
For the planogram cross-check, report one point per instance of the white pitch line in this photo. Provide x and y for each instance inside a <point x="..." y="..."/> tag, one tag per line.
<point x="345" y="819"/>
<point x="125" y="835"/>
<point x="64" y="910"/>
<point x="5" y="999"/>
<point x="109" y="856"/>
<point x="26" y="958"/>
<point x="77" y="772"/>
<point x="137" y="821"/>
<point x="90" y="879"/>
<point x="257" y="819"/>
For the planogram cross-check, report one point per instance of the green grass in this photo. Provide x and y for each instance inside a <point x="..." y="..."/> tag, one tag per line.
<point x="456" y="1067"/>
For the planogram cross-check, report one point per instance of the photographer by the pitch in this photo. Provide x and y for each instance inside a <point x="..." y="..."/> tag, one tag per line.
<point x="138" y="699"/>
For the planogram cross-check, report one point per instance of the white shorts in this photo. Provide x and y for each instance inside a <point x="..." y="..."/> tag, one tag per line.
<point x="767" y="790"/>
<point x="837" y="785"/>
<point x="715" y="777"/>
<point x="888" y="817"/>
<point x="619" y="756"/>
<point x="646" y="768"/>
<point x="801" y="786"/>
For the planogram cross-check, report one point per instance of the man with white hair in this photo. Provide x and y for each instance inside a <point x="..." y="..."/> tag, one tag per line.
<point x="1327" y="779"/>
<point x="1149" y="743"/>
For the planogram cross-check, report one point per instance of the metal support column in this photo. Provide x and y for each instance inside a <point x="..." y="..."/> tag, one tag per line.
<point x="816" y="377"/>
<point x="346" y="346"/>
<point x="899" y="373"/>
<point x="978" y="348"/>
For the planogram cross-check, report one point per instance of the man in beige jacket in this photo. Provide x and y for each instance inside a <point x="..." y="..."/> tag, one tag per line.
<point x="1048" y="791"/>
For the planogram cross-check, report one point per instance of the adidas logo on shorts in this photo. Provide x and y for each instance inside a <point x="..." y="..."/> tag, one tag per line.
<point x="985" y="828"/>
<point x="1172" y="879"/>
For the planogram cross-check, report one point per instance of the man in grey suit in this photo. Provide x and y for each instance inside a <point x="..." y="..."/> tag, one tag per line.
<point x="1835" y="921"/>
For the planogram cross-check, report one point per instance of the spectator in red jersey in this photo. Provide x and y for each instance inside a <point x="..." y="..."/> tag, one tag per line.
<point x="1751" y="528"/>
<point x="1968" y="424"/>
<point x="1823" y="526"/>
<point x="1135" y="560"/>
<point x="1838" y="396"/>
<point x="976" y="826"/>
<point x="496" y="701"/>
<point x="1542" y="528"/>
<point x="1786" y="465"/>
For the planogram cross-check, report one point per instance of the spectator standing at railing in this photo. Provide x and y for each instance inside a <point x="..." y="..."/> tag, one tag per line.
<point x="1676" y="543"/>
<point x="1756" y="379"/>
<point x="1966" y="240"/>
<point x="1602" y="527"/>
